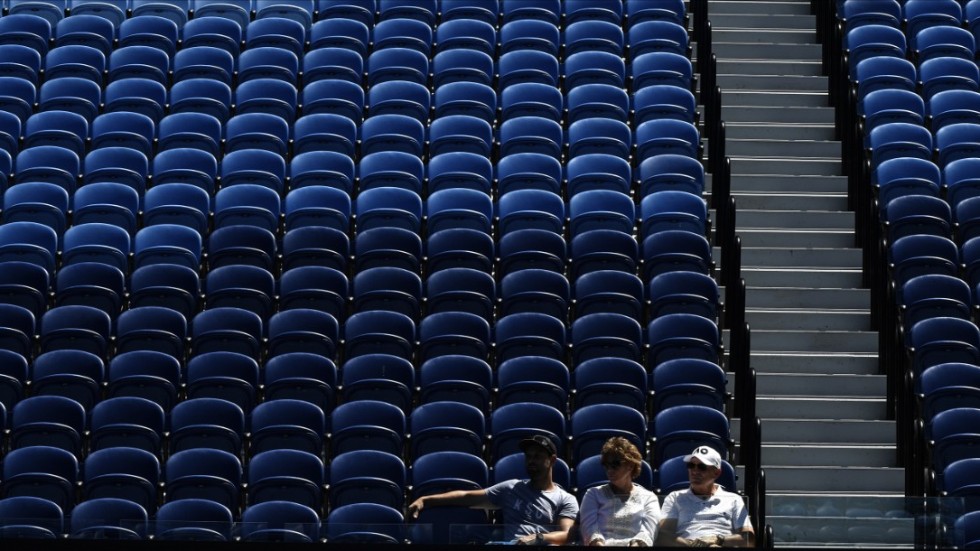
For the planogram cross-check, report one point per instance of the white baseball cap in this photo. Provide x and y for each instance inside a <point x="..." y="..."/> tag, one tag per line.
<point x="705" y="454"/>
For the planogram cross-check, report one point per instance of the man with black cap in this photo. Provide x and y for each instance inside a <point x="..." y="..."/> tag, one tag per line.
<point x="704" y="515"/>
<point x="536" y="511"/>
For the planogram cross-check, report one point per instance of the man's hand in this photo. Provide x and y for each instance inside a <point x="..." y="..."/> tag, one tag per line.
<point x="415" y="508"/>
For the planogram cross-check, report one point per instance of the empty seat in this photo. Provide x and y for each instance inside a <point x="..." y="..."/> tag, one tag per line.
<point x="367" y="476"/>
<point x="207" y="423"/>
<point x="318" y="287"/>
<point x="460" y="133"/>
<point x="286" y="423"/>
<point x="193" y="519"/>
<point x="474" y="33"/>
<point x="247" y="204"/>
<point x="325" y="132"/>
<point x="248" y="287"/>
<point x="30" y="517"/>
<point x="610" y="381"/>
<point x="669" y="250"/>
<point x="392" y="133"/>
<point x="39" y="202"/>
<point x="60" y="128"/>
<point x="602" y="249"/>
<point x="108" y="517"/>
<point x="286" y="475"/>
<point x="591" y="426"/>
<point x="609" y="291"/>
<point x="654" y="68"/>
<point x="512" y="423"/>
<point x="301" y="376"/>
<point x="465" y="98"/>
<point x="315" y="246"/>
<point x="600" y="135"/>
<point x="682" y="335"/>
<point x="127" y="421"/>
<point x="125" y="473"/>
<point x="367" y="425"/>
<point x="534" y="290"/>
<point x="257" y="131"/>
<point x="75" y="327"/>
<point x="679" y="429"/>
<point x="50" y="375"/>
<point x="268" y="62"/>
<point x="461" y="248"/>
<point x="318" y="206"/>
<point x="152" y="29"/>
<point x="688" y="381"/>
<point x="334" y="96"/>
<point x="332" y="63"/>
<point x="41" y="471"/>
<point x="145" y="374"/>
<point x="303" y="330"/>
<point x="210" y="474"/>
<point x="227" y="328"/>
<point x="459" y="208"/>
<point x="397" y="64"/>
<point x="446" y="426"/>
<point x="140" y="95"/>
<point x="362" y="523"/>
<point x="606" y="335"/>
<point x="455" y="378"/>
<point x="390" y="247"/>
<point x="601" y="209"/>
<point x="254" y="166"/>
<point x="387" y="288"/>
<point x="226" y="375"/>
<point x="453" y="333"/>
<point x="533" y="379"/>
<point x="349" y="27"/>
<point x="380" y="377"/>
<point x="530" y="333"/>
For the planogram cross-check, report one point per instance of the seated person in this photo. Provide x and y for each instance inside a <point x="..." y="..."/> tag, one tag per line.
<point x="620" y="513"/>
<point x="536" y="510"/>
<point x="705" y="515"/>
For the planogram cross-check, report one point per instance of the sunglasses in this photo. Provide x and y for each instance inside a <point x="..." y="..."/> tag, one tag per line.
<point x="698" y="466"/>
<point x="612" y="464"/>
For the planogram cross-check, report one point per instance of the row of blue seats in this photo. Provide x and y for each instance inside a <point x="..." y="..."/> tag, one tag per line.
<point x="913" y="16"/>
<point x="365" y="11"/>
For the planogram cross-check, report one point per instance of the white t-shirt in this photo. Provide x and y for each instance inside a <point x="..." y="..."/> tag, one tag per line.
<point x="618" y="522"/>
<point x="721" y="514"/>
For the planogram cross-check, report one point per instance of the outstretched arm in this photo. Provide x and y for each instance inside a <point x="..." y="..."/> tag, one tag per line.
<point x="477" y="499"/>
<point x="557" y="537"/>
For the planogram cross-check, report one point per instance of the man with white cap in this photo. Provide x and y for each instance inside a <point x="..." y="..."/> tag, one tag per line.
<point x="536" y="510"/>
<point x="705" y="515"/>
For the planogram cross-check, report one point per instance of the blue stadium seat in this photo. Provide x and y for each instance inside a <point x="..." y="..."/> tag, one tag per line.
<point x="185" y="166"/>
<point x="465" y="98"/>
<point x="217" y="32"/>
<point x="657" y="36"/>
<point x="41" y="472"/>
<point x="458" y="169"/>
<point x="654" y="68"/>
<point x="267" y="95"/>
<point x="482" y="10"/>
<point x="679" y="429"/>
<point x="608" y="291"/>
<point x="675" y="249"/>
<point x="75" y="327"/>
<point x="367" y="425"/>
<point x="317" y="205"/>
<point x="943" y="41"/>
<point x="598" y="171"/>
<point x="527" y="65"/>
<point x="389" y="247"/>
<point x="206" y="423"/>
<point x="364" y="523"/>
<point x="17" y="336"/>
<point x="139" y="95"/>
<point x="381" y="377"/>
<point x="301" y="376"/>
<point x="193" y="519"/>
<point x="254" y="166"/>
<point x="225" y="329"/>
<point x="583" y="33"/>
<point x="660" y="136"/>
<point x="351" y="31"/>
<point x="201" y="95"/>
<point x="38" y="202"/>
<point x="49" y="163"/>
<point x="673" y="210"/>
<point x="682" y="335"/>
<point x="522" y="209"/>
<point x="422" y="10"/>
<point x="598" y="100"/>
<point x="226" y="375"/>
<point x="533" y="379"/>
<point x="108" y="518"/>
<point x="139" y="62"/>
<point x="387" y="288"/>
<point x="145" y="374"/>
<point x="17" y="98"/>
<point x="402" y="32"/>
<point x="151" y="328"/>
<point x="18" y="60"/>
<point x="125" y="473"/>
<point x="591" y="426"/>
<point x="279" y="521"/>
<point x="325" y="132"/>
<point x="92" y="284"/>
<point x="594" y="67"/>
<point x="606" y="334"/>
<point x="246" y="204"/>
<point x="446" y="426"/>
<point x="367" y="476"/>
<point x="601" y="209"/>
<point x="332" y="63"/>
<point x="315" y="246"/>
<point x="167" y="244"/>
<point x="55" y="421"/>
<point x="402" y="97"/>
<point x="459" y="208"/>
<point x="317" y="287"/>
<point x="388" y="205"/>
<point x="455" y="378"/>
<point x="298" y="10"/>
<point x="473" y="33"/>
<point x="528" y="170"/>
<point x="660" y="101"/>
<point x="204" y="473"/>
<point x="278" y="32"/>
<point x="133" y="130"/>
<point x="919" y="15"/>
<point x="236" y="10"/>
<point x="303" y="330"/>
<point x="610" y="381"/>
<point x="439" y="472"/>
<point x="922" y="254"/>
<point x="287" y="424"/>
<point x="392" y="132"/>
<point x="257" y="131"/>
<point x="117" y="164"/>
<point x="460" y="133"/>
<point x="286" y="475"/>
<point x="463" y="248"/>
<point x="941" y="339"/>
<point x="397" y="64"/>
<point x="549" y="10"/>
<point x="530" y="334"/>
<point x="916" y="214"/>
<point x="948" y="386"/>
<point x="75" y="60"/>
<point x="174" y="10"/>
<point x="512" y="423"/>
<point x="602" y="249"/>
<point x="174" y="203"/>
<point x="128" y="422"/>
<point x="462" y="65"/>
<point x="684" y="292"/>
<point x="947" y="73"/>
<point x="453" y="333"/>
<point x="688" y="381"/>
<point x="155" y="30"/>
<point x="97" y="242"/>
<point x="32" y="30"/>
<point x="905" y="176"/>
<point x="863" y="12"/>
<point x="26" y="241"/>
<point x="599" y="136"/>
<point x="30" y="517"/>
<point x="534" y="290"/>
<point x="379" y="331"/>
<point x="642" y="10"/>
<point x="13" y="374"/>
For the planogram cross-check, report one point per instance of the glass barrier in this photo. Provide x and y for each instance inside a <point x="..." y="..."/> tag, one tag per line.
<point x="865" y="521"/>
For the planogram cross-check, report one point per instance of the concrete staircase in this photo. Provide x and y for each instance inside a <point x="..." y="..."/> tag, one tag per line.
<point x="828" y="449"/>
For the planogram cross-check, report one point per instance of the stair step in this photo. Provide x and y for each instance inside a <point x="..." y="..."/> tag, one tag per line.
<point x="800" y="257"/>
<point x="790" y="49"/>
<point x="827" y="431"/>
<point x="805" y="341"/>
<point x="811" y="320"/>
<point x="759" y="8"/>
<point x="803" y="201"/>
<point x="776" y="114"/>
<point x="786" y="166"/>
<point x="823" y="407"/>
<point x="777" y="98"/>
<point x="835" y="479"/>
<point x="772" y="82"/>
<point x="821" y="384"/>
<point x="828" y="455"/>
<point x="767" y="148"/>
<point x="791" y="277"/>
<point x="779" y="183"/>
<point x="775" y="237"/>
<point x="766" y="22"/>
<point x="798" y="67"/>
<point x="721" y="35"/>
<point x="782" y="220"/>
<point x="810" y="298"/>
<point x="815" y="363"/>
<point x="843" y="532"/>
<point x="784" y="131"/>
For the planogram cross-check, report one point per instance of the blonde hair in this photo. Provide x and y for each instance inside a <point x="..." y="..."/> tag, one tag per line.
<point x="620" y="448"/>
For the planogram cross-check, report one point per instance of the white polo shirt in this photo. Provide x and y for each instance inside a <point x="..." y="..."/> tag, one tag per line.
<point x="722" y="514"/>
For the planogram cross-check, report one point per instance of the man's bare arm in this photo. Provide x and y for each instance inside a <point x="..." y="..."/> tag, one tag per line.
<point x="667" y="534"/>
<point x="477" y="499"/>
<point x="557" y="537"/>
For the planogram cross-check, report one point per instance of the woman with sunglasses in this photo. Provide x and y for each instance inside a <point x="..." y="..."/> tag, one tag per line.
<point x="705" y="515"/>
<point x="620" y="513"/>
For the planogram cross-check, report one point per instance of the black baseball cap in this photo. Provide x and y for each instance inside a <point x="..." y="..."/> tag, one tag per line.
<point x="539" y="440"/>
